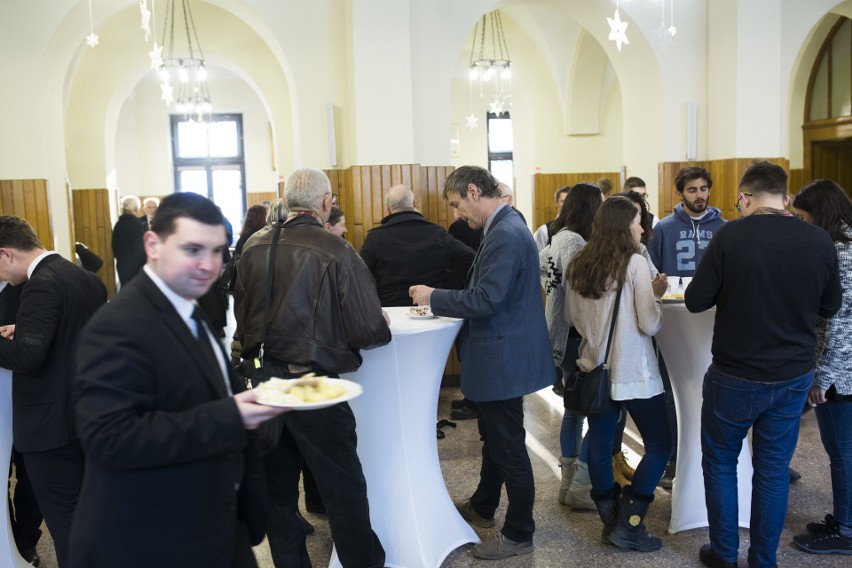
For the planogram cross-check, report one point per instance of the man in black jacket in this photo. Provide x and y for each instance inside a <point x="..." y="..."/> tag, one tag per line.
<point x="57" y="299"/>
<point x="407" y="250"/>
<point x="127" y="246"/>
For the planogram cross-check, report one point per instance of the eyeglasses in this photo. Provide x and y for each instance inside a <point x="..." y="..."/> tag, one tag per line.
<point x="740" y="198"/>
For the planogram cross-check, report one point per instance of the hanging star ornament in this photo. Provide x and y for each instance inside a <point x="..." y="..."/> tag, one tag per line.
<point x="168" y="91"/>
<point x="672" y="31"/>
<point x="92" y="39"/>
<point x="156" y="56"/>
<point x="145" y="14"/>
<point x="471" y="121"/>
<point x="618" y="30"/>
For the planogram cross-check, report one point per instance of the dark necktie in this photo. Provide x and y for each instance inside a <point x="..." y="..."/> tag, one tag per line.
<point x="203" y="338"/>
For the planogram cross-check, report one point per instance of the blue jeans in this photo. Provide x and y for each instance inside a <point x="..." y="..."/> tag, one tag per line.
<point x="835" y="429"/>
<point x="649" y="416"/>
<point x="772" y="410"/>
<point x="571" y="440"/>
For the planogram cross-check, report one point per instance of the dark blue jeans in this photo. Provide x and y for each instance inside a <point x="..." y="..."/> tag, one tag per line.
<point x="649" y="414"/>
<point x="505" y="460"/>
<point x="772" y="411"/>
<point x="835" y="429"/>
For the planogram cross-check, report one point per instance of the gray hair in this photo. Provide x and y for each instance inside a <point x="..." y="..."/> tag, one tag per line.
<point x="306" y="188"/>
<point x="399" y="197"/>
<point x="130" y="204"/>
<point x="277" y="212"/>
<point x="505" y="190"/>
<point x="151" y="200"/>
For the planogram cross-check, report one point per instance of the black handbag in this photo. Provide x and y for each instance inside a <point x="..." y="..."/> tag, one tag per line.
<point x="587" y="394"/>
<point x="228" y="279"/>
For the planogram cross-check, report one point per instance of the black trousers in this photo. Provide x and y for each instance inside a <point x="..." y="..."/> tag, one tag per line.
<point x="57" y="476"/>
<point x="24" y="514"/>
<point x="325" y="439"/>
<point x="505" y="460"/>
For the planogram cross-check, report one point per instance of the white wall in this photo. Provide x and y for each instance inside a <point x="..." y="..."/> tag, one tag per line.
<point x="143" y="138"/>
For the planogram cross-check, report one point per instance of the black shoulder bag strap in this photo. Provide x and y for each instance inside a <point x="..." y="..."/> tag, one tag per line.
<point x="270" y="282"/>
<point x="612" y="327"/>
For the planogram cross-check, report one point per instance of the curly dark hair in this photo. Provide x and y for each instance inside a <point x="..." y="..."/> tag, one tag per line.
<point x="639" y="199"/>
<point x="829" y="206"/>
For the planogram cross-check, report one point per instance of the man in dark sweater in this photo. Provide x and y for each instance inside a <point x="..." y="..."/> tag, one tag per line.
<point x="769" y="276"/>
<point x="406" y="249"/>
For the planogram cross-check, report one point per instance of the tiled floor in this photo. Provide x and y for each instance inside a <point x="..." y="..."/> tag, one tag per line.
<point x="565" y="538"/>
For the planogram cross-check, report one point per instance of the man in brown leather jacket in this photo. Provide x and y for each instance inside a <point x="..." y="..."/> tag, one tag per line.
<point x="323" y="309"/>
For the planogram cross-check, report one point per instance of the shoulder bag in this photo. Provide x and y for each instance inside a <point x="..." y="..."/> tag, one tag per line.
<point x="587" y="394"/>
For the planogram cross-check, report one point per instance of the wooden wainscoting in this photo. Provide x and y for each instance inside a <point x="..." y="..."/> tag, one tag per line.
<point x="545" y="186"/>
<point x="93" y="222"/>
<point x="726" y="176"/>
<point x="28" y="199"/>
<point x="257" y="197"/>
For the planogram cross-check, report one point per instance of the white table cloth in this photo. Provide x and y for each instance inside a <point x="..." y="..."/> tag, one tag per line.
<point x="410" y="509"/>
<point x="685" y="340"/>
<point x="9" y="556"/>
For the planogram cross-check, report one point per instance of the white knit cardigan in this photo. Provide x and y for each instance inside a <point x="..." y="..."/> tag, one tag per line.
<point x="634" y="372"/>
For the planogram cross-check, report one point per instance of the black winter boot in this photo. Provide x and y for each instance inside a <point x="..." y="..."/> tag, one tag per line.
<point x="607" y="505"/>
<point x="629" y="531"/>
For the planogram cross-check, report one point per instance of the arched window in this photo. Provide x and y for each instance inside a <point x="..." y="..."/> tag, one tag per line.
<point x="830" y="85"/>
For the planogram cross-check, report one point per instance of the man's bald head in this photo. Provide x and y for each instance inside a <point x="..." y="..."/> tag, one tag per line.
<point x="399" y="198"/>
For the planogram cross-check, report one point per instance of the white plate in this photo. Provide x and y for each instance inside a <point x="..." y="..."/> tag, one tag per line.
<point x="672" y="300"/>
<point x="353" y="390"/>
<point x="416" y="317"/>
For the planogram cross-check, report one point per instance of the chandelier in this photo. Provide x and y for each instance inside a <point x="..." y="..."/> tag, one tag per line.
<point x="491" y="66"/>
<point x="183" y="77"/>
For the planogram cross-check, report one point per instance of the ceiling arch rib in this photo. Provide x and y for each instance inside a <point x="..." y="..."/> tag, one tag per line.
<point x="586" y="86"/>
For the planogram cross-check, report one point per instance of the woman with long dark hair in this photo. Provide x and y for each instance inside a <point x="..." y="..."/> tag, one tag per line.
<point x="575" y="226"/>
<point x="607" y="269"/>
<point x="254" y="221"/>
<point x="825" y="204"/>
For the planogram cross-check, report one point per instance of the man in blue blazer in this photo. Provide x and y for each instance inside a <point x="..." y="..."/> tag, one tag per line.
<point x="504" y="353"/>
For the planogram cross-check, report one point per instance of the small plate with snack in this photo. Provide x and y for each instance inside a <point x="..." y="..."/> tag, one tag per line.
<point x="306" y="393"/>
<point x="420" y="312"/>
<point x="672" y="298"/>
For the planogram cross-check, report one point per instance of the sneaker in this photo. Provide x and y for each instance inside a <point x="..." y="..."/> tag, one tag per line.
<point x="619" y="462"/>
<point x="828" y="541"/>
<point x="471" y="516"/>
<point x="667" y="481"/>
<point x="501" y="547"/>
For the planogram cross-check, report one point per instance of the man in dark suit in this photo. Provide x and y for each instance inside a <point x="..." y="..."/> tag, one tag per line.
<point x="504" y="352"/>
<point x="407" y="249"/>
<point x="24" y="514"/>
<point x="172" y="478"/>
<point x="127" y="246"/>
<point x="57" y="298"/>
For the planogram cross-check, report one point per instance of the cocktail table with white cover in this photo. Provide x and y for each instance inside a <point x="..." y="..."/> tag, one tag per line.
<point x="8" y="550"/>
<point x="685" y="340"/>
<point x="410" y="509"/>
